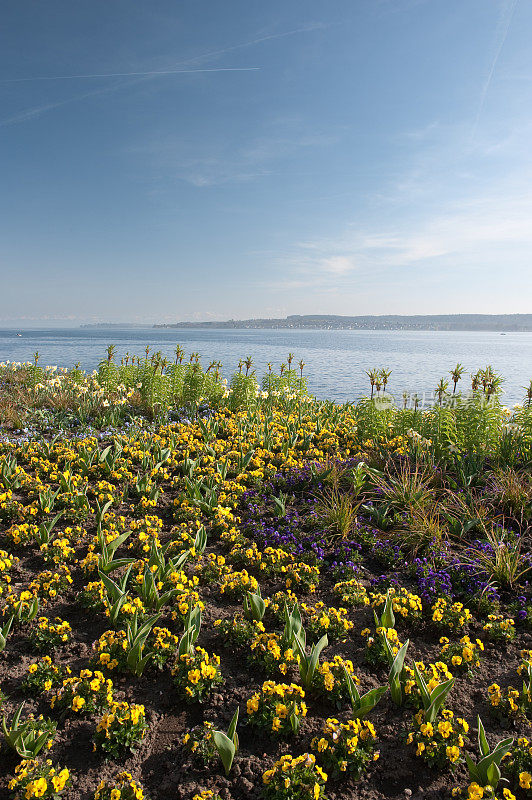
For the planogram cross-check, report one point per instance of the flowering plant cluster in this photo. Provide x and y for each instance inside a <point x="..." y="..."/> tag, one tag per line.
<point x="330" y="681"/>
<point x="172" y="500"/>
<point x="462" y="656"/>
<point x="122" y="787"/>
<point x="6" y="563"/>
<point x="237" y="630"/>
<point x="351" y="593"/>
<point x="235" y="584"/>
<point x="450" y="616"/>
<point x="294" y="778"/>
<point x="434" y="674"/>
<point x="200" y="742"/>
<point x="278" y="707"/>
<point x="121" y="728"/>
<point x="34" y="778"/>
<point x="43" y="676"/>
<point x="404" y="603"/>
<point x="332" y="621"/>
<point x="477" y="792"/>
<point x="84" y="695"/>
<point x="499" y="628"/>
<point x="47" y="635"/>
<point x="376" y="650"/>
<point x="517" y="766"/>
<point x="196" y="673"/>
<point x="301" y="577"/>
<point x="346" y="746"/>
<point x="439" y="743"/>
<point x="271" y="653"/>
<point x="513" y="702"/>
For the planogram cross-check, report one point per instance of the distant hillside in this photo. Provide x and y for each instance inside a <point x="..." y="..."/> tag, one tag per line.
<point x="117" y="325"/>
<point x="439" y="322"/>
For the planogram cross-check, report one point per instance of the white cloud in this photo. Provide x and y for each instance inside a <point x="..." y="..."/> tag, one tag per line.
<point x="482" y="233"/>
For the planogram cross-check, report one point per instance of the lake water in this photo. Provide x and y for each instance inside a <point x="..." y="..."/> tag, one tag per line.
<point x="335" y="360"/>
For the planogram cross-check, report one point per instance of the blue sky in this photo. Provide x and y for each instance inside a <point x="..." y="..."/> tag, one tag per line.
<point x="166" y="160"/>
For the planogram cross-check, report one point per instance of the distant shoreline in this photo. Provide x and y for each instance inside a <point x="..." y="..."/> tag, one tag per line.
<point x="502" y="323"/>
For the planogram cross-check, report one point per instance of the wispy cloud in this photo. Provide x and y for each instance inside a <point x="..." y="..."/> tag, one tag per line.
<point x="468" y="236"/>
<point x="205" y="164"/>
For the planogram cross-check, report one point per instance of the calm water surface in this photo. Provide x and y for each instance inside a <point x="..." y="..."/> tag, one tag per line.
<point x="335" y="360"/>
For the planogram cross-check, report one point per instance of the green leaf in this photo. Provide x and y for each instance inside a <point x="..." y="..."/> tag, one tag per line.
<point x="493" y="774"/>
<point x="368" y="701"/>
<point x="482" y="741"/>
<point x="231" y="731"/>
<point x="438" y="697"/>
<point x="352" y="690"/>
<point x="315" y="655"/>
<point x="472" y="768"/>
<point x="226" y="749"/>
<point x="388" y="617"/>
<point x="394" y="677"/>
<point x="420" y="680"/>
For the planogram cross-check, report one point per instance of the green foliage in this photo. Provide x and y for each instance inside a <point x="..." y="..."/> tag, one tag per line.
<point x="394" y="678"/>
<point x="486" y="772"/>
<point x="227" y="743"/>
<point x="362" y="705"/>
<point x="28" y="738"/>
<point x="432" y="701"/>
<point x="254" y="606"/>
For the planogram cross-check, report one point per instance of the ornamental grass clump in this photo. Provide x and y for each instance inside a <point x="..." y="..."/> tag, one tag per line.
<point x="336" y="512"/>
<point x="502" y="557"/>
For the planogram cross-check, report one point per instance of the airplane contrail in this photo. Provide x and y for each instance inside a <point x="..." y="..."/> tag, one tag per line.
<point x="209" y="54"/>
<point x="506" y="27"/>
<point x="127" y="74"/>
<point x="38" y="110"/>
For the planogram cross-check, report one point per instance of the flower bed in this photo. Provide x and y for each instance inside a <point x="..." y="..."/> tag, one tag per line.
<point x="276" y="560"/>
